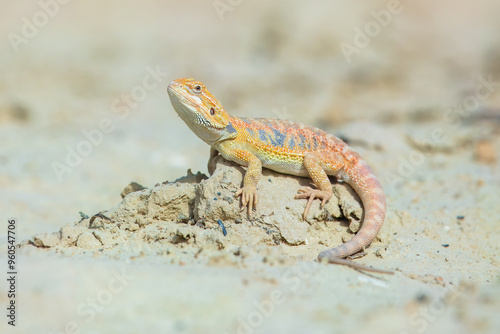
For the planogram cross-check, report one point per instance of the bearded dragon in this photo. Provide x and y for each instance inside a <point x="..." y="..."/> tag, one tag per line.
<point x="289" y="148"/>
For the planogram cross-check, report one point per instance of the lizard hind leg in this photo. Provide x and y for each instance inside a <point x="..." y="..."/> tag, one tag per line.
<point x="324" y="192"/>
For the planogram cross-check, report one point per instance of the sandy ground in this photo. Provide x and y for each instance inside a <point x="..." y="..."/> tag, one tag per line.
<point x="413" y="88"/>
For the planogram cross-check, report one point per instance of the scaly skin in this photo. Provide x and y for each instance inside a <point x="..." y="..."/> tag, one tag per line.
<point x="286" y="147"/>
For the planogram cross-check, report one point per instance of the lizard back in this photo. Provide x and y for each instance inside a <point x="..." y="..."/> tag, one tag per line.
<point x="282" y="144"/>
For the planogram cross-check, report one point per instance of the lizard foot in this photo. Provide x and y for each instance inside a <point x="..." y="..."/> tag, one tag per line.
<point x="248" y="198"/>
<point x="311" y="194"/>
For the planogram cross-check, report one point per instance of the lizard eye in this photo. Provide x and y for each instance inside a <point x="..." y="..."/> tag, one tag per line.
<point x="212" y="111"/>
<point x="197" y="89"/>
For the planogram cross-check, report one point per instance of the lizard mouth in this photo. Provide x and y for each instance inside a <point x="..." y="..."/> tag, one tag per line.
<point x="180" y="96"/>
<point x="189" y="106"/>
<point x="175" y="91"/>
<point x="192" y="111"/>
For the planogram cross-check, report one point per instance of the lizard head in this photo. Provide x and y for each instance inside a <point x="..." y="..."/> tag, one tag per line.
<point x="200" y="110"/>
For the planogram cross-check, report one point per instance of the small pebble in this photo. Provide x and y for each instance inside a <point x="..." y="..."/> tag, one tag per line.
<point x="422" y="298"/>
<point x="222" y="226"/>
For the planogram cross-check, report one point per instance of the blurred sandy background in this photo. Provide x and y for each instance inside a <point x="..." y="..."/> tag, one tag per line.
<point x="275" y="59"/>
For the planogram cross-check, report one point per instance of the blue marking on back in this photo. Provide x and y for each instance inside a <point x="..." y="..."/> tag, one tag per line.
<point x="251" y="132"/>
<point x="263" y="135"/>
<point x="303" y="141"/>
<point x="230" y="128"/>
<point x="291" y="143"/>
<point x="315" y="143"/>
<point x="279" y="138"/>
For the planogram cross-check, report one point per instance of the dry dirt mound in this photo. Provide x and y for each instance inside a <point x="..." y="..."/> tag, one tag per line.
<point x="198" y="220"/>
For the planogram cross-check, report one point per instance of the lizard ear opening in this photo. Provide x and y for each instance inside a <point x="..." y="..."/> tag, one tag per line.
<point x="212" y="111"/>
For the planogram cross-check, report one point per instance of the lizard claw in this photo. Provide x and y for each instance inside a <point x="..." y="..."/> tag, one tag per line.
<point x="311" y="194"/>
<point x="248" y="198"/>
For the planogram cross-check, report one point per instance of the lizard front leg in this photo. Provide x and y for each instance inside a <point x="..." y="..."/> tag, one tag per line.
<point x="248" y="192"/>
<point x="324" y="192"/>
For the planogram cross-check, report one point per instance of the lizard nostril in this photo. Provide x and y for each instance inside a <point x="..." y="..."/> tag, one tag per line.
<point x="212" y="111"/>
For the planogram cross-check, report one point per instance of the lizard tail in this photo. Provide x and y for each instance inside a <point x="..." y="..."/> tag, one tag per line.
<point x="361" y="178"/>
